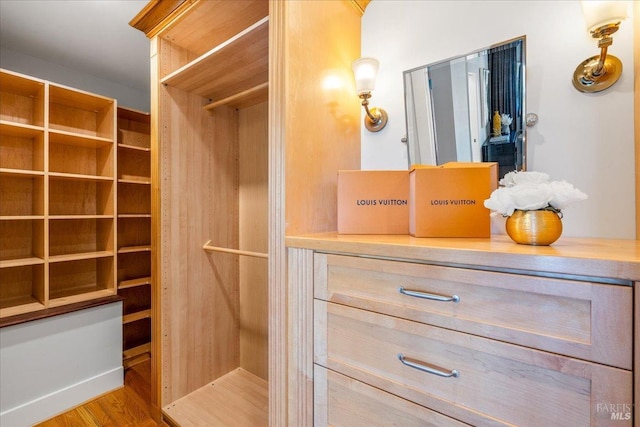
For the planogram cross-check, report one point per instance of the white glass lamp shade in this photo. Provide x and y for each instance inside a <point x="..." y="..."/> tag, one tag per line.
<point x="599" y="13"/>
<point x="364" y="72"/>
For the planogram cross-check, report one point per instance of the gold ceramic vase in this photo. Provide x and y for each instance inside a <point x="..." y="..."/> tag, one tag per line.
<point x="540" y="228"/>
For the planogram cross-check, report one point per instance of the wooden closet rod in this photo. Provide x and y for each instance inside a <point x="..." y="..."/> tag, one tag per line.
<point x="208" y="247"/>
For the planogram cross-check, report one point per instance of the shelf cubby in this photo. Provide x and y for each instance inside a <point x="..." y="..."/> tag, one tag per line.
<point x="21" y="147"/>
<point x="80" y="195"/>
<point x="136" y="334"/>
<point x="22" y="99"/>
<point x="74" y="237"/>
<point x="136" y="301"/>
<point x="134" y="233"/>
<point x="133" y="199"/>
<point x="136" y="355"/>
<point x="134" y="268"/>
<point x="22" y="289"/>
<point x="22" y="193"/>
<point x="134" y="130"/>
<point x="80" y="155"/>
<point x="82" y="279"/>
<point x="80" y="112"/>
<point x="134" y="167"/>
<point x="21" y="242"/>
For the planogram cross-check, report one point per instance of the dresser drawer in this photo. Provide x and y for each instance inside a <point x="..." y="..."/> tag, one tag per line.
<point x="580" y="319"/>
<point x="496" y="383"/>
<point x="343" y="401"/>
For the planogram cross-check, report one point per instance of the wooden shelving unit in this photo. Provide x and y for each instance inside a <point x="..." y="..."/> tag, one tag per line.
<point x="218" y="83"/>
<point x="134" y="233"/>
<point x="57" y="195"/>
<point x="233" y="133"/>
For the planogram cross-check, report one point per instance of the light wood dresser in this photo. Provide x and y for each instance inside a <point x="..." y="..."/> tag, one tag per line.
<point x="394" y="330"/>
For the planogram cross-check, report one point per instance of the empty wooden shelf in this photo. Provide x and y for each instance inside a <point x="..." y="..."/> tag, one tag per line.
<point x="238" y="399"/>
<point x="22" y="99"/>
<point x="21" y="147"/>
<point x="80" y="112"/>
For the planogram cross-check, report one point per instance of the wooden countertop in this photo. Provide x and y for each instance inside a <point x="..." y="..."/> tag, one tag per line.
<point x="584" y="257"/>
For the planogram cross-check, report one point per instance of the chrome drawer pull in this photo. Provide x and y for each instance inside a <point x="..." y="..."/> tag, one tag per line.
<point x="424" y="295"/>
<point x="453" y="373"/>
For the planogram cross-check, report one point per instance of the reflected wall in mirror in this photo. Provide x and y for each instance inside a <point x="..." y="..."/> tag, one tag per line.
<point x="450" y="107"/>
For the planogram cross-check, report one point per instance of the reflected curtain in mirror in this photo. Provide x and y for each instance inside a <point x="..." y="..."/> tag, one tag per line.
<point x="450" y="105"/>
<point x="505" y="69"/>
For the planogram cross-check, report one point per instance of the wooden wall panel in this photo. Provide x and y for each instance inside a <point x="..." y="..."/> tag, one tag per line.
<point x="254" y="175"/>
<point x="323" y="119"/>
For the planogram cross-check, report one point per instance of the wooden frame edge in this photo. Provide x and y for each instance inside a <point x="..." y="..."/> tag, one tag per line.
<point x="636" y="109"/>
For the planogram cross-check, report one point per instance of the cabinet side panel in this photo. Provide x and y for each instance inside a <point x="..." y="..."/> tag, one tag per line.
<point x="157" y="345"/>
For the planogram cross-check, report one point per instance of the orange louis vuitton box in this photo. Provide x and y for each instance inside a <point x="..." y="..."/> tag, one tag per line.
<point x="373" y="202"/>
<point x="448" y="200"/>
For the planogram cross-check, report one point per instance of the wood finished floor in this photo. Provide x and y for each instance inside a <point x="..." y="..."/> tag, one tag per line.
<point x="125" y="407"/>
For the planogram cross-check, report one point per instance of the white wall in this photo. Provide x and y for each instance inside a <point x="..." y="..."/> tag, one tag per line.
<point x="586" y="139"/>
<point x="56" y="73"/>
<point x="50" y="365"/>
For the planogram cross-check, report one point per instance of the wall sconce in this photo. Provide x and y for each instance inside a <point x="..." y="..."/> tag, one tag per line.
<point x="364" y="71"/>
<point x="601" y="71"/>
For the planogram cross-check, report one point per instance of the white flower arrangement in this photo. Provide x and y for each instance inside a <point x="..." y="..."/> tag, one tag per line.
<point x="506" y="120"/>
<point x="529" y="191"/>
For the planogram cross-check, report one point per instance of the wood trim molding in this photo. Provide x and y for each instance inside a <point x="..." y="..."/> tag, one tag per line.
<point x="300" y="333"/>
<point x="636" y="107"/>
<point x="360" y="5"/>
<point x="157" y="13"/>
<point x="278" y="343"/>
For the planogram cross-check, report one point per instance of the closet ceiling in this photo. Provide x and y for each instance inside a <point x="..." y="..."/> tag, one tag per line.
<point x="92" y="36"/>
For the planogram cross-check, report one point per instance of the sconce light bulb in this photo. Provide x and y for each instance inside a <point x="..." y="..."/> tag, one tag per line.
<point x="598" y="14"/>
<point x="364" y="72"/>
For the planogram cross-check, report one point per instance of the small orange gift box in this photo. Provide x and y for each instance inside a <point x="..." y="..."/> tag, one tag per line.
<point x="448" y="200"/>
<point x="373" y="202"/>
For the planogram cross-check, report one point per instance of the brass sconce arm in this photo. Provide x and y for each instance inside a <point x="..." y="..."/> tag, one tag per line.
<point x="600" y="72"/>
<point x="376" y="118"/>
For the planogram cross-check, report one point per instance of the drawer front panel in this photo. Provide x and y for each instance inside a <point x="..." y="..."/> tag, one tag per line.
<point x="342" y="401"/>
<point x="498" y="383"/>
<point x="548" y="314"/>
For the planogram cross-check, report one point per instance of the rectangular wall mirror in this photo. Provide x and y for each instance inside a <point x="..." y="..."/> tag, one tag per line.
<point x="450" y="106"/>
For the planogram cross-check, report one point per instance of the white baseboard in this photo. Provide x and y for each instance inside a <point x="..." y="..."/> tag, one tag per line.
<point x="52" y="404"/>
